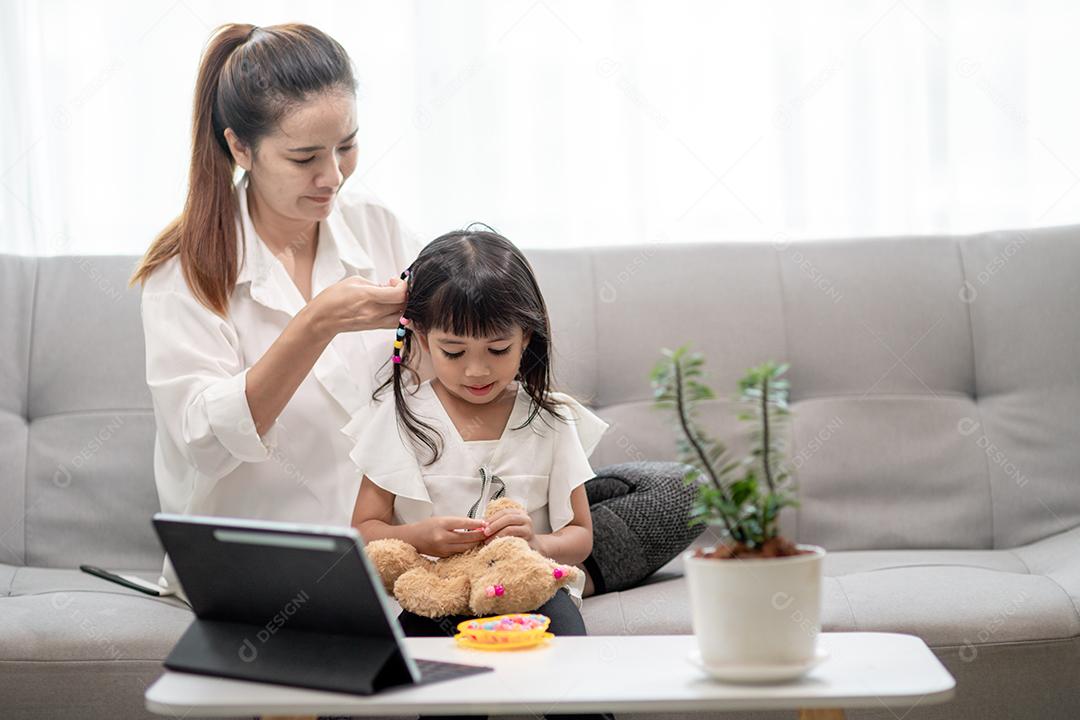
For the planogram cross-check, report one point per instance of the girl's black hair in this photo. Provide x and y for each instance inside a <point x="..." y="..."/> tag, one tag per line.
<point x="474" y="283"/>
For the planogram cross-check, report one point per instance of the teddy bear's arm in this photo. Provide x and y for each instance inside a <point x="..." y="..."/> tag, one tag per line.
<point x="392" y="558"/>
<point x="422" y="592"/>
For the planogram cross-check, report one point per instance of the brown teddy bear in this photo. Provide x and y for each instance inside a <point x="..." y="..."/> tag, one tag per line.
<point x="502" y="576"/>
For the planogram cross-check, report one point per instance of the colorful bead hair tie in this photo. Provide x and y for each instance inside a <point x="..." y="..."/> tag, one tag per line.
<point x="399" y="340"/>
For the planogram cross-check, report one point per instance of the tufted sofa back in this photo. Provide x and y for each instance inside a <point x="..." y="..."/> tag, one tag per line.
<point x="935" y="383"/>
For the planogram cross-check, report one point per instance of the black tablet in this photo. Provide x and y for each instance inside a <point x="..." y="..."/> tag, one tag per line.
<point x="289" y="604"/>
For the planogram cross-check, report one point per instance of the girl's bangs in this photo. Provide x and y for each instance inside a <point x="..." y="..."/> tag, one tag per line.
<point x="469" y="312"/>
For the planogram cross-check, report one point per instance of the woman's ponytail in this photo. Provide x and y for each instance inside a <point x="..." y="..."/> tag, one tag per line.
<point x="204" y="236"/>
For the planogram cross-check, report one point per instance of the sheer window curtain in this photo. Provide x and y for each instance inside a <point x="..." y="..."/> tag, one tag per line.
<point x="586" y="123"/>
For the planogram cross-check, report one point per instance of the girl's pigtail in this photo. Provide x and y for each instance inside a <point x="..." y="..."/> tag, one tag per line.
<point x="403" y="354"/>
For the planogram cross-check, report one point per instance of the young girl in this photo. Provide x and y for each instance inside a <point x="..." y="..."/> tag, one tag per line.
<point x="488" y="425"/>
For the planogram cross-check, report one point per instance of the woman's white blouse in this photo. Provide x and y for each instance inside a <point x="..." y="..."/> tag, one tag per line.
<point x="208" y="458"/>
<point x="539" y="464"/>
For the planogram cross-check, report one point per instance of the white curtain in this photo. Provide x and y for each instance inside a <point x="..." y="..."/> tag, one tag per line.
<point x="576" y="123"/>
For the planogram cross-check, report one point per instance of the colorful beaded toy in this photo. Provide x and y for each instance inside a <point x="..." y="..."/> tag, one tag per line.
<point x="516" y="631"/>
<point x="509" y="622"/>
<point x="399" y="341"/>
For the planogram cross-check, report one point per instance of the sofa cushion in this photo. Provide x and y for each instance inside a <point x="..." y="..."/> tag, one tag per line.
<point x="76" y="425"/>
<point x="55" y="614"/>
<point x="943" y="364"/>
<point x="933" y="380"/>
<point x="960" y="605"/>
<point x="663" y="608"/>
<point x="17" y="283"/>
<point x="946" y="597"/>
<point x="1024" y="291"/>
<point x="7" y="575"/>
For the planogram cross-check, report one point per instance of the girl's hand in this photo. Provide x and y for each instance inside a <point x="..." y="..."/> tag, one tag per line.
<point x="442" y="536"/>
<point x="511" y="523"/>
<point x="356" y="304"/>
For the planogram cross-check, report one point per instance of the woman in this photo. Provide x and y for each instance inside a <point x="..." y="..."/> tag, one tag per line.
<point x="264" y="319"/>
<point x="253" y="297"/>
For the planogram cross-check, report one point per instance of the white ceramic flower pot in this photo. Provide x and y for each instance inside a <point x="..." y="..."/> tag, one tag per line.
<point x="756" y="619"/>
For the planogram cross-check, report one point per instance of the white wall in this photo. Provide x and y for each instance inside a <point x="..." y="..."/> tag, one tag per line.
<point x="583" y="122"/>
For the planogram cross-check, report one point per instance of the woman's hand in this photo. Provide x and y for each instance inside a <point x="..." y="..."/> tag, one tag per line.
<point x="356" y="304"/>
<point x="346" y="306"/>
<point x="443" y="536"/>
<point x="511" y="523"/>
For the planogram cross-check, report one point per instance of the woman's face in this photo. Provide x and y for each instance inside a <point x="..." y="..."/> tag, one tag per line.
<point x="298" y="170"/>
<point x="475" y="369"/>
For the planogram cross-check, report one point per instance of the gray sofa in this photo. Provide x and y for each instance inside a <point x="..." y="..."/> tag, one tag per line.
<point x="935" y="386"/>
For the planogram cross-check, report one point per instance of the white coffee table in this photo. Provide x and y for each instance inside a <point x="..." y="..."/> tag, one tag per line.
<point x="619" y="674"/>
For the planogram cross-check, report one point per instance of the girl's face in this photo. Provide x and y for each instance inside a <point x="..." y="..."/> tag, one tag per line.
<point x="476" y="370"/>
<point x="298" y="169"/>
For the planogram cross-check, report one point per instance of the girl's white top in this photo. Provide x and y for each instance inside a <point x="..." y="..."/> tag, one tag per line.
<point x="208" y="458"/>
<point x="539" y="464"/>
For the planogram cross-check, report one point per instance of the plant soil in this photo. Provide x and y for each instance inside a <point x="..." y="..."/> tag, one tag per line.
<point x="773" y="548"/>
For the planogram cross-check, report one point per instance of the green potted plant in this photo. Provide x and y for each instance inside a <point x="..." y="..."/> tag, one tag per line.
<point x="755" y="598"/>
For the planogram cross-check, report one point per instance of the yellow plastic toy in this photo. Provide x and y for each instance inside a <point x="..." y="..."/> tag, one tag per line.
<point x="516" y="631"/>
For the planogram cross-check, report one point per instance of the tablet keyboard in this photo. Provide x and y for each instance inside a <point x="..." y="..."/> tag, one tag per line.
<point x="437" y="671"/>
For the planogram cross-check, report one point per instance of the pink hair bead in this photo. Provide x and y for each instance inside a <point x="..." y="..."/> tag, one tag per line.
<point x="558" y="573"/>
<point x="403" y="320"/>
<point x="499" y="590"/>
<point x="490" y="591"/>
<point x="397" y="359"/>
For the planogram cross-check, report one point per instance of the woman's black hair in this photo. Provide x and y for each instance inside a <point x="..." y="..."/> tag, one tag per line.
<point x="474" y="283"/>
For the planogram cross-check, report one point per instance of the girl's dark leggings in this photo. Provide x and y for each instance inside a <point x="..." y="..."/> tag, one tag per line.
<point x="565" y="620"/>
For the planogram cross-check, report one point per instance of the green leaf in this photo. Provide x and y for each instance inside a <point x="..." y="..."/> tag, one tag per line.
<point x="729" y="489"/>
